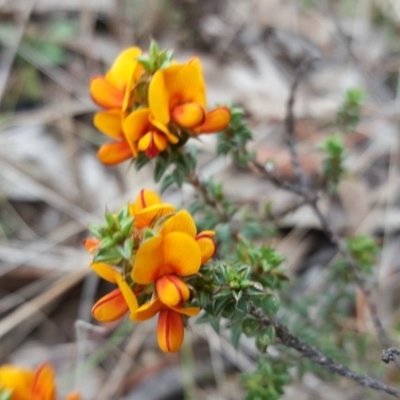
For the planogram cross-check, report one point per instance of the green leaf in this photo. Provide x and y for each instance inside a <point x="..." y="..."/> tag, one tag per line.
<point x="160" y="167"/>
<point x="167" y="181"/>
<point x="269" y="305"/>
<point x="236" y="332"/>
<point x="265" y="338"/>
<point x="250" y="327"/>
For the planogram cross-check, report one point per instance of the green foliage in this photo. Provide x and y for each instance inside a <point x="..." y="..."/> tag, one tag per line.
<point x="233" y="140"/>
<point x="333" y="166"/>
<point x="116" y="243"/>
<point x="265" y="263"/>
<point x="364" y="250"/>
<point x="267" y="381"/>
<point x="183" y="163"/>
<point x="349" y="113"/>
<point x="156" y="58"/>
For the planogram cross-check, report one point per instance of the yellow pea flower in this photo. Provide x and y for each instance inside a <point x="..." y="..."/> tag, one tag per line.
<point x="170" y="326"/>
<point x="118" y="302"/>
<point x="113" y="93"/>
<point x="29" y="384"/>
<point x="178" y="94"/>
<point x="173" y="253"/>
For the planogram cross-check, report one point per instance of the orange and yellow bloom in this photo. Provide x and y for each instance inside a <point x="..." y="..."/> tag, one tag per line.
<point x="173" y="99"/>
<point x="112" y="93"/>
<point x="166" y="252"/>
<point x="152" y="106"/>
<point x="118" y="302"/>
<point x="29" y="384"/>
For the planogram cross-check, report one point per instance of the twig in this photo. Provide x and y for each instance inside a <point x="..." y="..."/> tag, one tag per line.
<point x="290" y="122"/>
<point x="316" y="355"/>
<point x="194" y="180"/>
<point x="390" y="355"/>
<point x="312" y="201"/>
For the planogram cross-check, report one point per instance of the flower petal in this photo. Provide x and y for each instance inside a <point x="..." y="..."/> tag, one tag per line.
<point x="170" y="331"/>
<point x="148" y="216"/>
<point x="216" y="120"/>
<point x="135" y="125"/>
<point x="159" y="98"/>
<point x="74" y="396"/>
<point x="123" y="68"/>
<point x="43" y="386"/>
<point x="182" y="221"/>
<point x="147" y="310"/>
<point x="152" y="143"/>
<point x="144" y="199"/>
<point x="207" y="245"/>
<point x="177" y="77"/>
<point x="171" y="290"/>
<point x="105" y="271"/>
<point x="19" y="380"/>
<point x="188" y="311"/>
<point x="114" y="153"/>
<point x="91" y="244"/>
<point x="110" y="307"/>
<point x="149" y="260"/>
<point x="164" y="128"/>
<point x="188" y="115"/>
<point x="181" y="255"/>
<point x="127" y="292"/>
<point x="110" y="123"/>
<point x="104" y="94"/>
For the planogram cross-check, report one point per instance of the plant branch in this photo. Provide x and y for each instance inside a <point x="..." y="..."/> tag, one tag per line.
<point x="194" y="180"/>
<point x="312" y="201"/>
<point x="290" y="340"/>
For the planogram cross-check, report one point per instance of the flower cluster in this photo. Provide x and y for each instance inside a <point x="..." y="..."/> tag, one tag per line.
<point x="152" y="104"/>
<point x="151" y="251"/>
<point x="27" y="384"/>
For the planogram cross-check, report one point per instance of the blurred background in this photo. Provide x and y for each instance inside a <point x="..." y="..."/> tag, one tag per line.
<point x="52" y="185"/>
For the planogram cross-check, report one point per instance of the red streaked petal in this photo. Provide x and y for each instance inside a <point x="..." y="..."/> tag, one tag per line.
<point x="148" y="216"/>
<point x="110" y="307"/>
<point x="216" y="120"/>
<point x="43" y="387"/>
<point x="170" y="331"/>
<point x="114" y="153"/>
<point x="171" y="290"/>
<point x="207" y="245"/>
<point x="144" y="199"/>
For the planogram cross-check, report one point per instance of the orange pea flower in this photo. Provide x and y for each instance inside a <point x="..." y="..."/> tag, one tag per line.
<point x="91" y="244"/>
<point x="113" y="93"/>
<point x="147" y="208"/>
<point x="173" y="252"/>
<point x="29" y="384"/>
<point x="144" y="133"/>
<point x="178" y="94"/>
<point x="118" y="302"/>
<point x="170" y="326"/>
